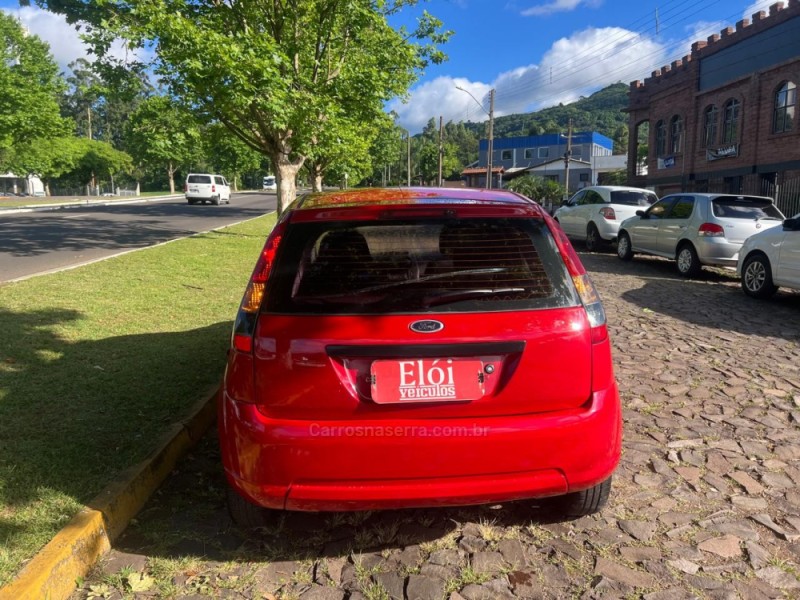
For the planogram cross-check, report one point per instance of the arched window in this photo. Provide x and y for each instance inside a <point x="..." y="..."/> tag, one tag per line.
<point x="785" y="99"/>
<point x="676" y="134"/>
<point x="710" y="126"/>
<point x="661" y="138"/>
<point x="730" y="122"/>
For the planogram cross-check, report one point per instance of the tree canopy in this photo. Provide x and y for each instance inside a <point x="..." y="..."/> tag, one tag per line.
<point x="29" y="88"/>
<point x="277" y="73"/>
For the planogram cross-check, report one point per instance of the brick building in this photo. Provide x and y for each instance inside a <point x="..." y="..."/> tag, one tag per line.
<point x="724" y="117"/>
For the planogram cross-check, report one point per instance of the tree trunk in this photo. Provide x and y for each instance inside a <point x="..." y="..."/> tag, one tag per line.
<point x="316" y="182"/>
<point x="286" y="177"/>
<point x="171" y="174"/>
<point x="235" y="182"/>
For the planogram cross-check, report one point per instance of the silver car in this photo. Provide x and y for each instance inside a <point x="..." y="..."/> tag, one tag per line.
<point x="771" y="259"/>
<point x="697" y="229"/>
<point x="594" y="214"/>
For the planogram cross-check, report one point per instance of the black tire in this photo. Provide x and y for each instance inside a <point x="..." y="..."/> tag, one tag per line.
<point x="594" y="242"/>
<point x="215" y="201"/>
<point x="190" y="201"/>
<point x="757" y="277"/>
<point x="585" y="502"/>
<point x="248" y="515"/>
<point x="624" y="246"/>
<point x="687" y="261"/>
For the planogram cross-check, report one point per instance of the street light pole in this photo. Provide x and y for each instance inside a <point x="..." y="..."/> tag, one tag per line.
<point x="490" y="148"/>
<point x="567" y="155"/>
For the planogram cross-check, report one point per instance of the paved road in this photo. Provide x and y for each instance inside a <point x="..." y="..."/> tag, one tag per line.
<point x="38" y="242"/>
<point x="705" y="503"/>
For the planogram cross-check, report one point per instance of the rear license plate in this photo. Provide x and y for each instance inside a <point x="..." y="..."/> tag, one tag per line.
<point x="432" y="380"/>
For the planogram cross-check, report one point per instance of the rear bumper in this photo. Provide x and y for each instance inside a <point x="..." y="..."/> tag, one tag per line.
<point x="717" y="251"/>
<point x="363" y="465"/>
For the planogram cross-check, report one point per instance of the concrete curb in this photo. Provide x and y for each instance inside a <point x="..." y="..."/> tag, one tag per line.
<point x="74" y="550"/>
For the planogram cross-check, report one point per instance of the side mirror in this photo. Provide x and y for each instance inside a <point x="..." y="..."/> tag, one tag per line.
<point x="641" y="213"/>
<point x="792" y="224"/>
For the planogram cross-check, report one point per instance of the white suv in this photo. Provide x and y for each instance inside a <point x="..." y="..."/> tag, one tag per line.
<point x="771" y="258"/>
<point x="204" y="187"/>
<point x="594" y="214"/>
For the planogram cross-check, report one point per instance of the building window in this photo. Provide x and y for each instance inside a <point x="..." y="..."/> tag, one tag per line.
<point x="661" y="138"/>
<point x="529" y="153"/>
<point x="676" y="134"/>
<point x="785" y="98"/>
<point x="506" y="154"/>
<point x="730" y="122"/>
<point x="710" y="126"/>
<point x="584" y="177"/>
<point x="544" y="152"/>
<point x="551" y="178"/>
<point x="575" y="151"/>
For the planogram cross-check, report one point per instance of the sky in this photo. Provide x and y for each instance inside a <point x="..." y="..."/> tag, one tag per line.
<point x="534" y="53"/>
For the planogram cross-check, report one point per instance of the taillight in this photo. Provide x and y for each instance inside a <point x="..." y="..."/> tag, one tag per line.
<point x="711" y="230"/>
<point x="245" y="325"/>
<point x="213" y="188"/>
<point x="185" y="187"/>
<point x="608" y="213"/>
<point x="583" y="284"/>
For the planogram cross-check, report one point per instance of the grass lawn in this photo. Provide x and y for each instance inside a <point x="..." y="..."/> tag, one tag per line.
<point x="16" y="201"/>
<point x="97" y="362"/>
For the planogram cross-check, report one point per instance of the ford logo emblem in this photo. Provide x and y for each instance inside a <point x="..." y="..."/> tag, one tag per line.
<point x="426" y="326"/>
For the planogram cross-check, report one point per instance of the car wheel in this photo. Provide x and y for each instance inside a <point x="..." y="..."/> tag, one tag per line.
<point x="215" y="201"/>
<point x="687" y="261"/>
<point x="624" y="246"/>
<point x="757" y="277"/>
<point x="248" y="515"/>
<point x="593" y="240"/>
<point x="585" y="502"/>
<point x="191" y="201"/>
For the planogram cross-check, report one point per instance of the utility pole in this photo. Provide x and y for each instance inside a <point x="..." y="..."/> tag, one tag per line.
<point x="408" y="169"/>
<point x="566" y="161"/>
<point x="491" y="141"/>
<point x="441" y="151"/>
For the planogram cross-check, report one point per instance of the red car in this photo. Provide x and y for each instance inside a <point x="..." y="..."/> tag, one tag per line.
<point x="414" y="348"/>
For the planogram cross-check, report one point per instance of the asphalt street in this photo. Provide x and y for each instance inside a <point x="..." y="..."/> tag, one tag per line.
<point x="39" y="242"/>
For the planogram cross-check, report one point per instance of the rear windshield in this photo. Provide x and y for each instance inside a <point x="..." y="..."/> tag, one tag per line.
<point x="199" y="179"/>
<point x="632" y="198"/>
<point x="737" y="207"/>
<point x="418" y="266"/>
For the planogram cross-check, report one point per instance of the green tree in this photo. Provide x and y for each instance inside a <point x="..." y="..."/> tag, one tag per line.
<point x="160" y="134"/>
<point x="98" y="159"/>
<point x="49" y="159"/>
<point x="30" y="86"/>
<point x="272" y="72"/>
<point x="227" y="154"/>
<point x="537" y="188"/>
<point x="620" y="138"/>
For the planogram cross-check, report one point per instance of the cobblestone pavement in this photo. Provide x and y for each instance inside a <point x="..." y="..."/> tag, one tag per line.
<point x="705" y="503"/>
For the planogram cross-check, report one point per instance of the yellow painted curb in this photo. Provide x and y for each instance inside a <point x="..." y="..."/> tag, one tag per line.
<point x="53" y="572"/>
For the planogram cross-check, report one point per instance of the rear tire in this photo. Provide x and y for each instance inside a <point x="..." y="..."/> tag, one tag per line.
<point x="624" y="246"/>
<point x="594" y="242"/>
<point x="687" y="261"/>
<point x="215" y="201"/>
<point x="585" y="502"/>
<point x="191" y="201"/>
<point x="248" y="515"/>
<point x="757" y="277"/>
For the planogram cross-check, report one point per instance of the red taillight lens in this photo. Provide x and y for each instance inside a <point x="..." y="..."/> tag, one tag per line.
<point x="608" y="213"/>
<point x="711" y="230"/>
<point x="185" y="187"/>
<point x="245" y="324"/>
<point x="213" y="188"/>
<point x="583" y="284"/>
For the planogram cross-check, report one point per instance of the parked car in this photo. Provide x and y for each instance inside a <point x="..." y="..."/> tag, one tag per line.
<point x="207" y="187"/>
<point x="771" y="259"/>
<point x="270" y="183"/>
<point x="417" y="347"/>
<point x="593" y="214"/>
<point x="697" y="229"/>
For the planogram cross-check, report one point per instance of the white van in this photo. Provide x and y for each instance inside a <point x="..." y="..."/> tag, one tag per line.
<point x="270" y="183"/>
<point x="205" y="187"/>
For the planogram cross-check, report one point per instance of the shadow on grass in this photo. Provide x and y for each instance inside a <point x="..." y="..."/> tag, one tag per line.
<point x="74" y="414"/>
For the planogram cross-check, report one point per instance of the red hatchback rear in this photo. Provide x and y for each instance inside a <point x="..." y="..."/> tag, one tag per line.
<point x="418" y="347"/>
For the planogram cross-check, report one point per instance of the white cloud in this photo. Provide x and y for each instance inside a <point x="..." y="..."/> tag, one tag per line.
<point x="573" y="67"/>
<point x="558" y="6"/>
<point x="64" y="40"/>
